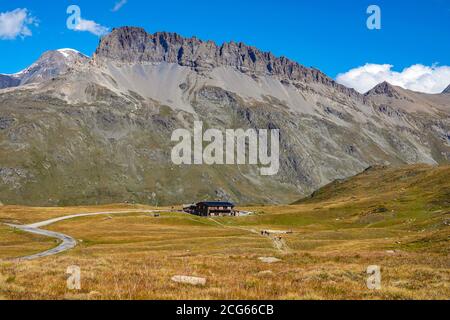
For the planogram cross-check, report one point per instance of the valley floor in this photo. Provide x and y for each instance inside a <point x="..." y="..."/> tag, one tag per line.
<point x="334" y="239"/>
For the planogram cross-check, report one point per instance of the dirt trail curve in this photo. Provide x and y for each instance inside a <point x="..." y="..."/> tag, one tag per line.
<point x="67" y="242"/>
<point x="278" y="242"/>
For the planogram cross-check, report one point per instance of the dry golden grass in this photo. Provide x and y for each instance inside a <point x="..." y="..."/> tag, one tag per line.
<point x="27" y="215"/>
<point x="134" y="256"/>
<point x="334" y="240"/>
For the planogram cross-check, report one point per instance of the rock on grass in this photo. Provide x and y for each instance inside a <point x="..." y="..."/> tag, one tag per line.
<point x="269" y="259"/>
<point x="195" y="281"/>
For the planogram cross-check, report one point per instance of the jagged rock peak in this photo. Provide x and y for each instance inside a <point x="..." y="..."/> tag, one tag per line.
<point x="384" y="88"/>
<point x="131" y="44"/>
<point x="134" y="45"/>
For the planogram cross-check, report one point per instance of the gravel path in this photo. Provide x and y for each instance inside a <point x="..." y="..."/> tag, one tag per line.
<point x="67" y="242"/>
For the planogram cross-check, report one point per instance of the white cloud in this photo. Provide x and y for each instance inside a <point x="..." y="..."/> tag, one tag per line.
<point x="428" y="79"/>
<point x="119" y="5"/>
<point x="92" y="27"/>
<point x="15" y="24"/>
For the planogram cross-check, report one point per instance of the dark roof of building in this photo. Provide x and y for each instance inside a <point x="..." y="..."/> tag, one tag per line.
<point x="216" y="204"/>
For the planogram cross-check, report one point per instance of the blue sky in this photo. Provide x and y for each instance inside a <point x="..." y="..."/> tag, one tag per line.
<point x="330" y="35"/>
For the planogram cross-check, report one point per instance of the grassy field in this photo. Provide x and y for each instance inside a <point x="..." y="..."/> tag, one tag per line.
<point x="397" y="218"/>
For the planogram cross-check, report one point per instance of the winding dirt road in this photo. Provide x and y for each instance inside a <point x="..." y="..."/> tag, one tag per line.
<point x="67" y="242"/>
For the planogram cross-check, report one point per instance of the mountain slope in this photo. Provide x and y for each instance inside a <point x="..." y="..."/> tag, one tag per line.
<point x="407" y="100"/>
<point x="447" y="90"/>
<point x="7" y="81"/>
<point x="418" y="182"/>
<point x="100" y="131"/>
<point x="50" y="65"/>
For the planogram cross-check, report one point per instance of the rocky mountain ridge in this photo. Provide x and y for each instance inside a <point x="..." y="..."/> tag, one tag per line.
<point x="135" y="45"/>
<point x="100" y="130"/>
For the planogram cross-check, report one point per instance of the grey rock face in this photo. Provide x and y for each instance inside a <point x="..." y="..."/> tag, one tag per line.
<point x="447" y="90"/>
<point x="130" y="44"/>
<point x="7" y="81"/>
<point x="6" y="122"/>
<point x="384" y="89"/>
<point x="14" y="177"/>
